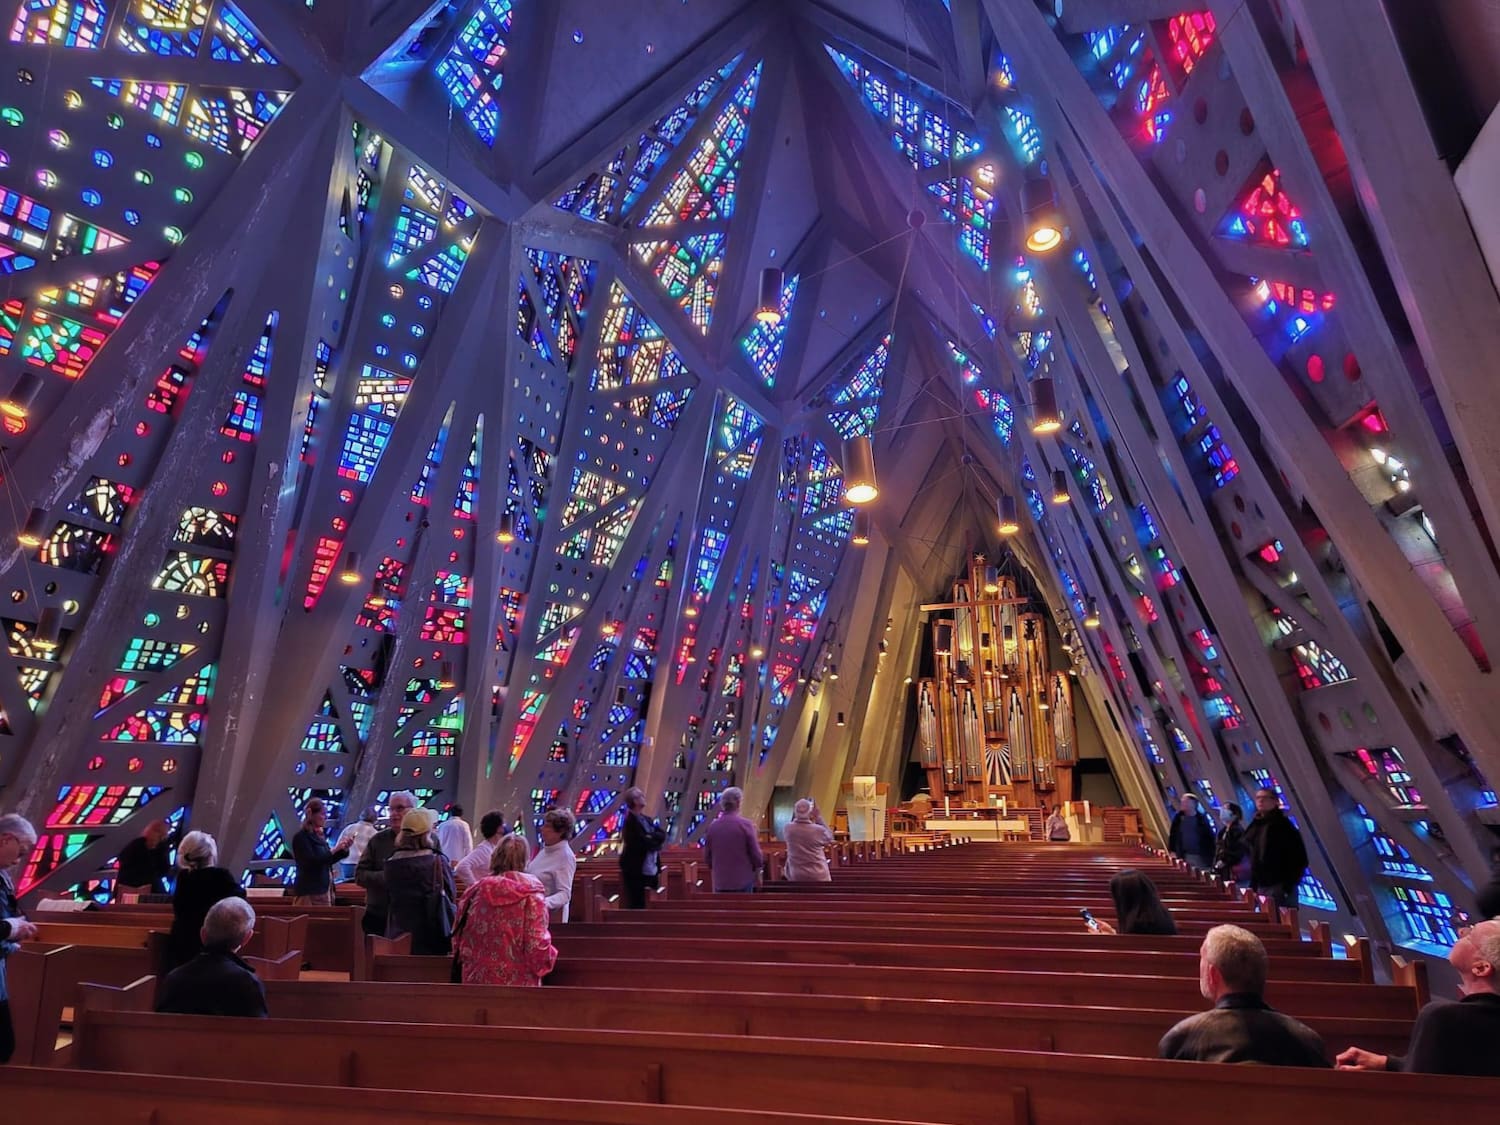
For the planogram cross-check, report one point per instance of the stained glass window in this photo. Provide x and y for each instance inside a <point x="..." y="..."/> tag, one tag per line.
<point x="1266" y="214"/>
<point x="473" y="69"/>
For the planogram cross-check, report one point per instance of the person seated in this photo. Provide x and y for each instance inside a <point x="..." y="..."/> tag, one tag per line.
<point x="1241" y="1027"/>
<point x="1138" y="907"/>
<point x="807" y="837"/>
<point x="1449" y="1037"/>
<point x="502" y="935"/>
<point x="217" y="982"/>
<point x="200" y="884"/>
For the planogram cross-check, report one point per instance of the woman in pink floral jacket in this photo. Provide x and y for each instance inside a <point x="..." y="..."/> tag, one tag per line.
<point x="502" y="935"/>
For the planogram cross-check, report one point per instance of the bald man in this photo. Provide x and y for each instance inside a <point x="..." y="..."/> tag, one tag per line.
<point x="1449" y="1038"/>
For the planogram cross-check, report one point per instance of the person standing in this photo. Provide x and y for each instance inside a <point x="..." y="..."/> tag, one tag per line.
<point x="1278" y="857"/>
<point x="200" y="884"/>
<point x="642" y="840"/>
<point x="419" y="887"/>
<point x="370" y="874"/>
<point x="315" y="859"/>
<point x="17" y="839"/>
<point x="476" y="865"/>
<point x="356" y="836"/>
<point x="731" y="846"/>
<point x="454" y="836"/>
<point x="1229" y="852"/>
<point x="1057" y="827"/>
<point x="554" y="863"/>
<point x="502" y="935"/>
<point x="806" y="838"/>
<point x="145" y="862"/>
<point x="1192" y="834"/>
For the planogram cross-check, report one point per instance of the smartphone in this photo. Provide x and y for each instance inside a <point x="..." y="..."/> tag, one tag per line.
<point x="1089" y="920"/>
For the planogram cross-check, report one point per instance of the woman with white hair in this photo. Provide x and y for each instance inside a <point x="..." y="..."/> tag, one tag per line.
<point x="731" y="846"/>
<point x="419" y="884"/>
<point x="200" y="884"/>
<point x="17" y="839"/>
<point x="806" y="838"/>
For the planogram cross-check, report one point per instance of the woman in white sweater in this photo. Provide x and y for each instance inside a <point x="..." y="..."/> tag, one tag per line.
<point x="555" y="863"/>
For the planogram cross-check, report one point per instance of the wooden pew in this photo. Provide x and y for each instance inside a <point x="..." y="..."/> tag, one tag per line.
<point x="1302" y="999"/>
<point x="37" y="1095"/>
<point x="821" y="1078"/>
<point x="333" y="941"/>
<point x="958" y="1023"/>
<point x="649" y="924"/>
<point x="1102" y="957"/>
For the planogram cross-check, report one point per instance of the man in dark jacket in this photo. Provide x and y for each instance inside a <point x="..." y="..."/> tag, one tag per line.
<point x="370" y="874"/>
<point x="217" y="982"/>
<point x="1192" y="834"/>
<point x="146" y="861"/>
<point x="1278" y="857"/>
<point x="17" y="839"/>
<point x="1449" y="1038"/>
<point x="1241" y="1027"/>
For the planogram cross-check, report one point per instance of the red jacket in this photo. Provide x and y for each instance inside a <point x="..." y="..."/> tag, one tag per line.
<point x="502" y="931"/>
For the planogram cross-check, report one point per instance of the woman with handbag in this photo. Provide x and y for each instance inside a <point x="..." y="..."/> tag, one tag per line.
<point x="419" y="885"/>
<point x="502" y="935"/>
<point x="642" y="841"/>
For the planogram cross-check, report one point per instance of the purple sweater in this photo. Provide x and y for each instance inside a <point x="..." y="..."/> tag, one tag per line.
<point x="733" y="852"/>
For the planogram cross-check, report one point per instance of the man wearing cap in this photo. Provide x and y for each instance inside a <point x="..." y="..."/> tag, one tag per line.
<point x="370" y="874"/>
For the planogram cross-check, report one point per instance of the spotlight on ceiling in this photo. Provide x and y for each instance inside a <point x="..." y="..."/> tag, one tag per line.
<point x="1060" y="493"/>
<point x="861" y="536"/>
<point x="1044" y="222"/>
<point x="859" y="470"/>
<point x="445" y="680"/>
<point x="1010" y="522"/>
<point x="349" y="573"/>
<point x="757" y="653"/>
<point x="506" y="532"/>
<point x="1091" y="616"/>
<point x="1045" y="418"/>
<point x="841" y="719"/>
<point x="768" y="308"/>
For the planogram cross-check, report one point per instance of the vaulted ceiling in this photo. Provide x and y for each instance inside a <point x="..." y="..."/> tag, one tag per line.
<point x="386" y="407"/>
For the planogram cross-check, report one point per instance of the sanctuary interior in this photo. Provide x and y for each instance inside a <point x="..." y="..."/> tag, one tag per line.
<point x="952" y="411"/>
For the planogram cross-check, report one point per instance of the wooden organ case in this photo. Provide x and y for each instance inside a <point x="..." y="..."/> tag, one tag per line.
<point x="995" y="719"/>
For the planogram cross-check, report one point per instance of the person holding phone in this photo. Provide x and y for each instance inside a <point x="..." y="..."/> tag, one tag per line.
<point x="315" y="859"/>
<point x="807" y="837"/>
<point x="1138" y="908"/>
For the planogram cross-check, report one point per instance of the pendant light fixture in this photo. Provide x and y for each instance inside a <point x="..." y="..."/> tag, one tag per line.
<point x="49" y="628"/>
<point x="861" y="535"/>
<point x="506" y="532"/>
<point x="349" y="573"/>
<point x="859" y="470"/>
<point x="1044" y="222"/>
<point x="1060" y="493"/>
<point x="18" y="403"/>
<point x="1091" y="616"/>
<point x="1010" y="522"/>
<point x="768" y="308"/>
<point x="1045" y="418"/>
<point x="991" y="580"/>
<point x="32" y="534"/>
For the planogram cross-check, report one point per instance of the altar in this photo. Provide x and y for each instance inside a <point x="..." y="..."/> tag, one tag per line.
<point x="980" y="827"/>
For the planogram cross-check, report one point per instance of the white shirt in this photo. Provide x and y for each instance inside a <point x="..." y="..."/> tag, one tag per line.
<point x="554" y="865"/>
<point x="357" y="835"/>
<point x="474" y="866"/>
<point x="455" y="840"/>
